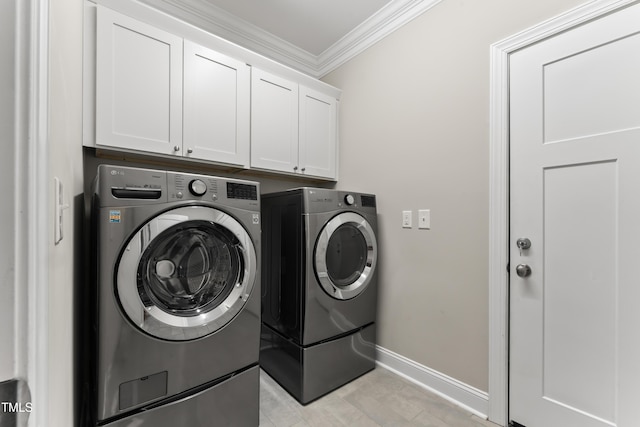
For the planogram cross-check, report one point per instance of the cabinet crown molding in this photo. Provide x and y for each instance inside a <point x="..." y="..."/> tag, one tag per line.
<point x="221" y="23"/>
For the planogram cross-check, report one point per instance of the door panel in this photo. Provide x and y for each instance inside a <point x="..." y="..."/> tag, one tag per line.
<point x="575" y="162"/>
<point x="274" y="122"/>
<point x="216" y="106"/>
<point x="138" y="85"/>
<point x="575" y="197"/>
<point x="568" y="93"/>
<point x="318" y="133"/>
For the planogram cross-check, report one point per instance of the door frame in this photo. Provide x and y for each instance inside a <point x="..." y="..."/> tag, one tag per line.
<point x="498" y="410"/>
<point x="31" y="187"/>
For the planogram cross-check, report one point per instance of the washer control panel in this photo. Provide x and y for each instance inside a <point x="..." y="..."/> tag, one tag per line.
<point x="185" y="186"/>
<point x="126" y="186"/>
<point x="237" y="190"/>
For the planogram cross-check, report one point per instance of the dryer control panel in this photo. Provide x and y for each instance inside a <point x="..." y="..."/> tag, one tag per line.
<point x="325" y="200"/>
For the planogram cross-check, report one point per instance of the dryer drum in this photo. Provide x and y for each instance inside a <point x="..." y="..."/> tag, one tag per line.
<point x="190" y="268"/>
<point x="346" y="255"/>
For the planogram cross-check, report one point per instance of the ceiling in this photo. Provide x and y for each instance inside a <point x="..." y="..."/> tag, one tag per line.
<point x="314" y="37"/>
<point x="313" y="26"/>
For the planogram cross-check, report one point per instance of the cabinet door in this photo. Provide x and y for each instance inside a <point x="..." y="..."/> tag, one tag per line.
<point x="138" y="85"/>
<point x="216" y="106"/>
<point x="274" y="122"/>
<point x="318" y="134"/>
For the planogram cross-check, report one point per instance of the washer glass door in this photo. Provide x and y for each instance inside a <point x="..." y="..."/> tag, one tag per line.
<point x="186" y="273"/>
<point x="345" y="255"/>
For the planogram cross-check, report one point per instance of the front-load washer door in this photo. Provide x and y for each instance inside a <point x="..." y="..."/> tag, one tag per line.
<point x="186" y="273"/>
<point x="346" y="253"/>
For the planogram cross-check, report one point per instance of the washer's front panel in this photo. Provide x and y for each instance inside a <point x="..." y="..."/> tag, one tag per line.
<point x="218" y="405"/>
<point x="169" y="279"/>
<point x="126" y="352"/>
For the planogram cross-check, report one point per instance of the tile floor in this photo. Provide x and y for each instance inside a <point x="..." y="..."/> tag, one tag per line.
<point x="379" y="398"/>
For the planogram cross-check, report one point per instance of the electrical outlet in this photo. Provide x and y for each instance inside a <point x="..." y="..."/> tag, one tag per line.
<point x="406" y="219"/>
<point x="424" y="219"/>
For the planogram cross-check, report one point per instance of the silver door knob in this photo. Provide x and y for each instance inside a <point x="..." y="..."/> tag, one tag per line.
<point x="523" y="270"/>
<point x="189" y="150"/>
<point x="176" y="148"/>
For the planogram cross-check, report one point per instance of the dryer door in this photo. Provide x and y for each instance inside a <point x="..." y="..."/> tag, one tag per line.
<point x="345" y="255"/>
<point x="186" y="273"/>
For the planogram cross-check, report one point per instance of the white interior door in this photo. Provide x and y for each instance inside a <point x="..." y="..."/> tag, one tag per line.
<point x="575" y="194"/>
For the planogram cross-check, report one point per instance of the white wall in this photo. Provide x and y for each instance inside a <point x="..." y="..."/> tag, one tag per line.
<point x="414" y="131"/>
<point x="65" y="162"/>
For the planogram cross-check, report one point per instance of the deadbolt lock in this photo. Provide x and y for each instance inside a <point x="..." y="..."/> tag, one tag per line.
<point x="523" y="243"/>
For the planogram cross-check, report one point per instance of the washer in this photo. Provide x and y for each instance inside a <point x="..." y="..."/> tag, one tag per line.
<point x="178" y="299"/>
<point x="319" y="289"/>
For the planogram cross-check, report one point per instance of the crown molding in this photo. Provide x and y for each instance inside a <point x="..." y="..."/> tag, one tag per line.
<point x="221" y="23"/>
<point x="217" y="21"/>
<point x="388" y="19"/>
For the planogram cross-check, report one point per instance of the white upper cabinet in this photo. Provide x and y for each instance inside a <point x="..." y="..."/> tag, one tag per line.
<point x="216" y="106"/>
<point x="176" y="91"/>
<point x="293" y="128"/>
<point x="138" y="85"/>
<point x="274" y="122"/>
<point x="318" y="133"/>
<point x="158" y="93"/>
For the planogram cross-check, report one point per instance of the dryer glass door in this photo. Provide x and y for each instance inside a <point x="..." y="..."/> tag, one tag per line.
<point x="345" y="255"/>
<point x="186" y="273"/>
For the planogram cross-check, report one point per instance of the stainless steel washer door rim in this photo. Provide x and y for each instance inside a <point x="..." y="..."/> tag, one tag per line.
<point x="145" y="311"/>
<point x="356" y="280"/>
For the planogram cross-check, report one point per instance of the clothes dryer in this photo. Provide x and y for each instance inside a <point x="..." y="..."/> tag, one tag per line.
<point x="319" y="289"/>
<point x="177" y="303"/>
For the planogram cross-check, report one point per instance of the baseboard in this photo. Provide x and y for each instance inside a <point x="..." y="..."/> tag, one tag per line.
<point x="455" y="391"/>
